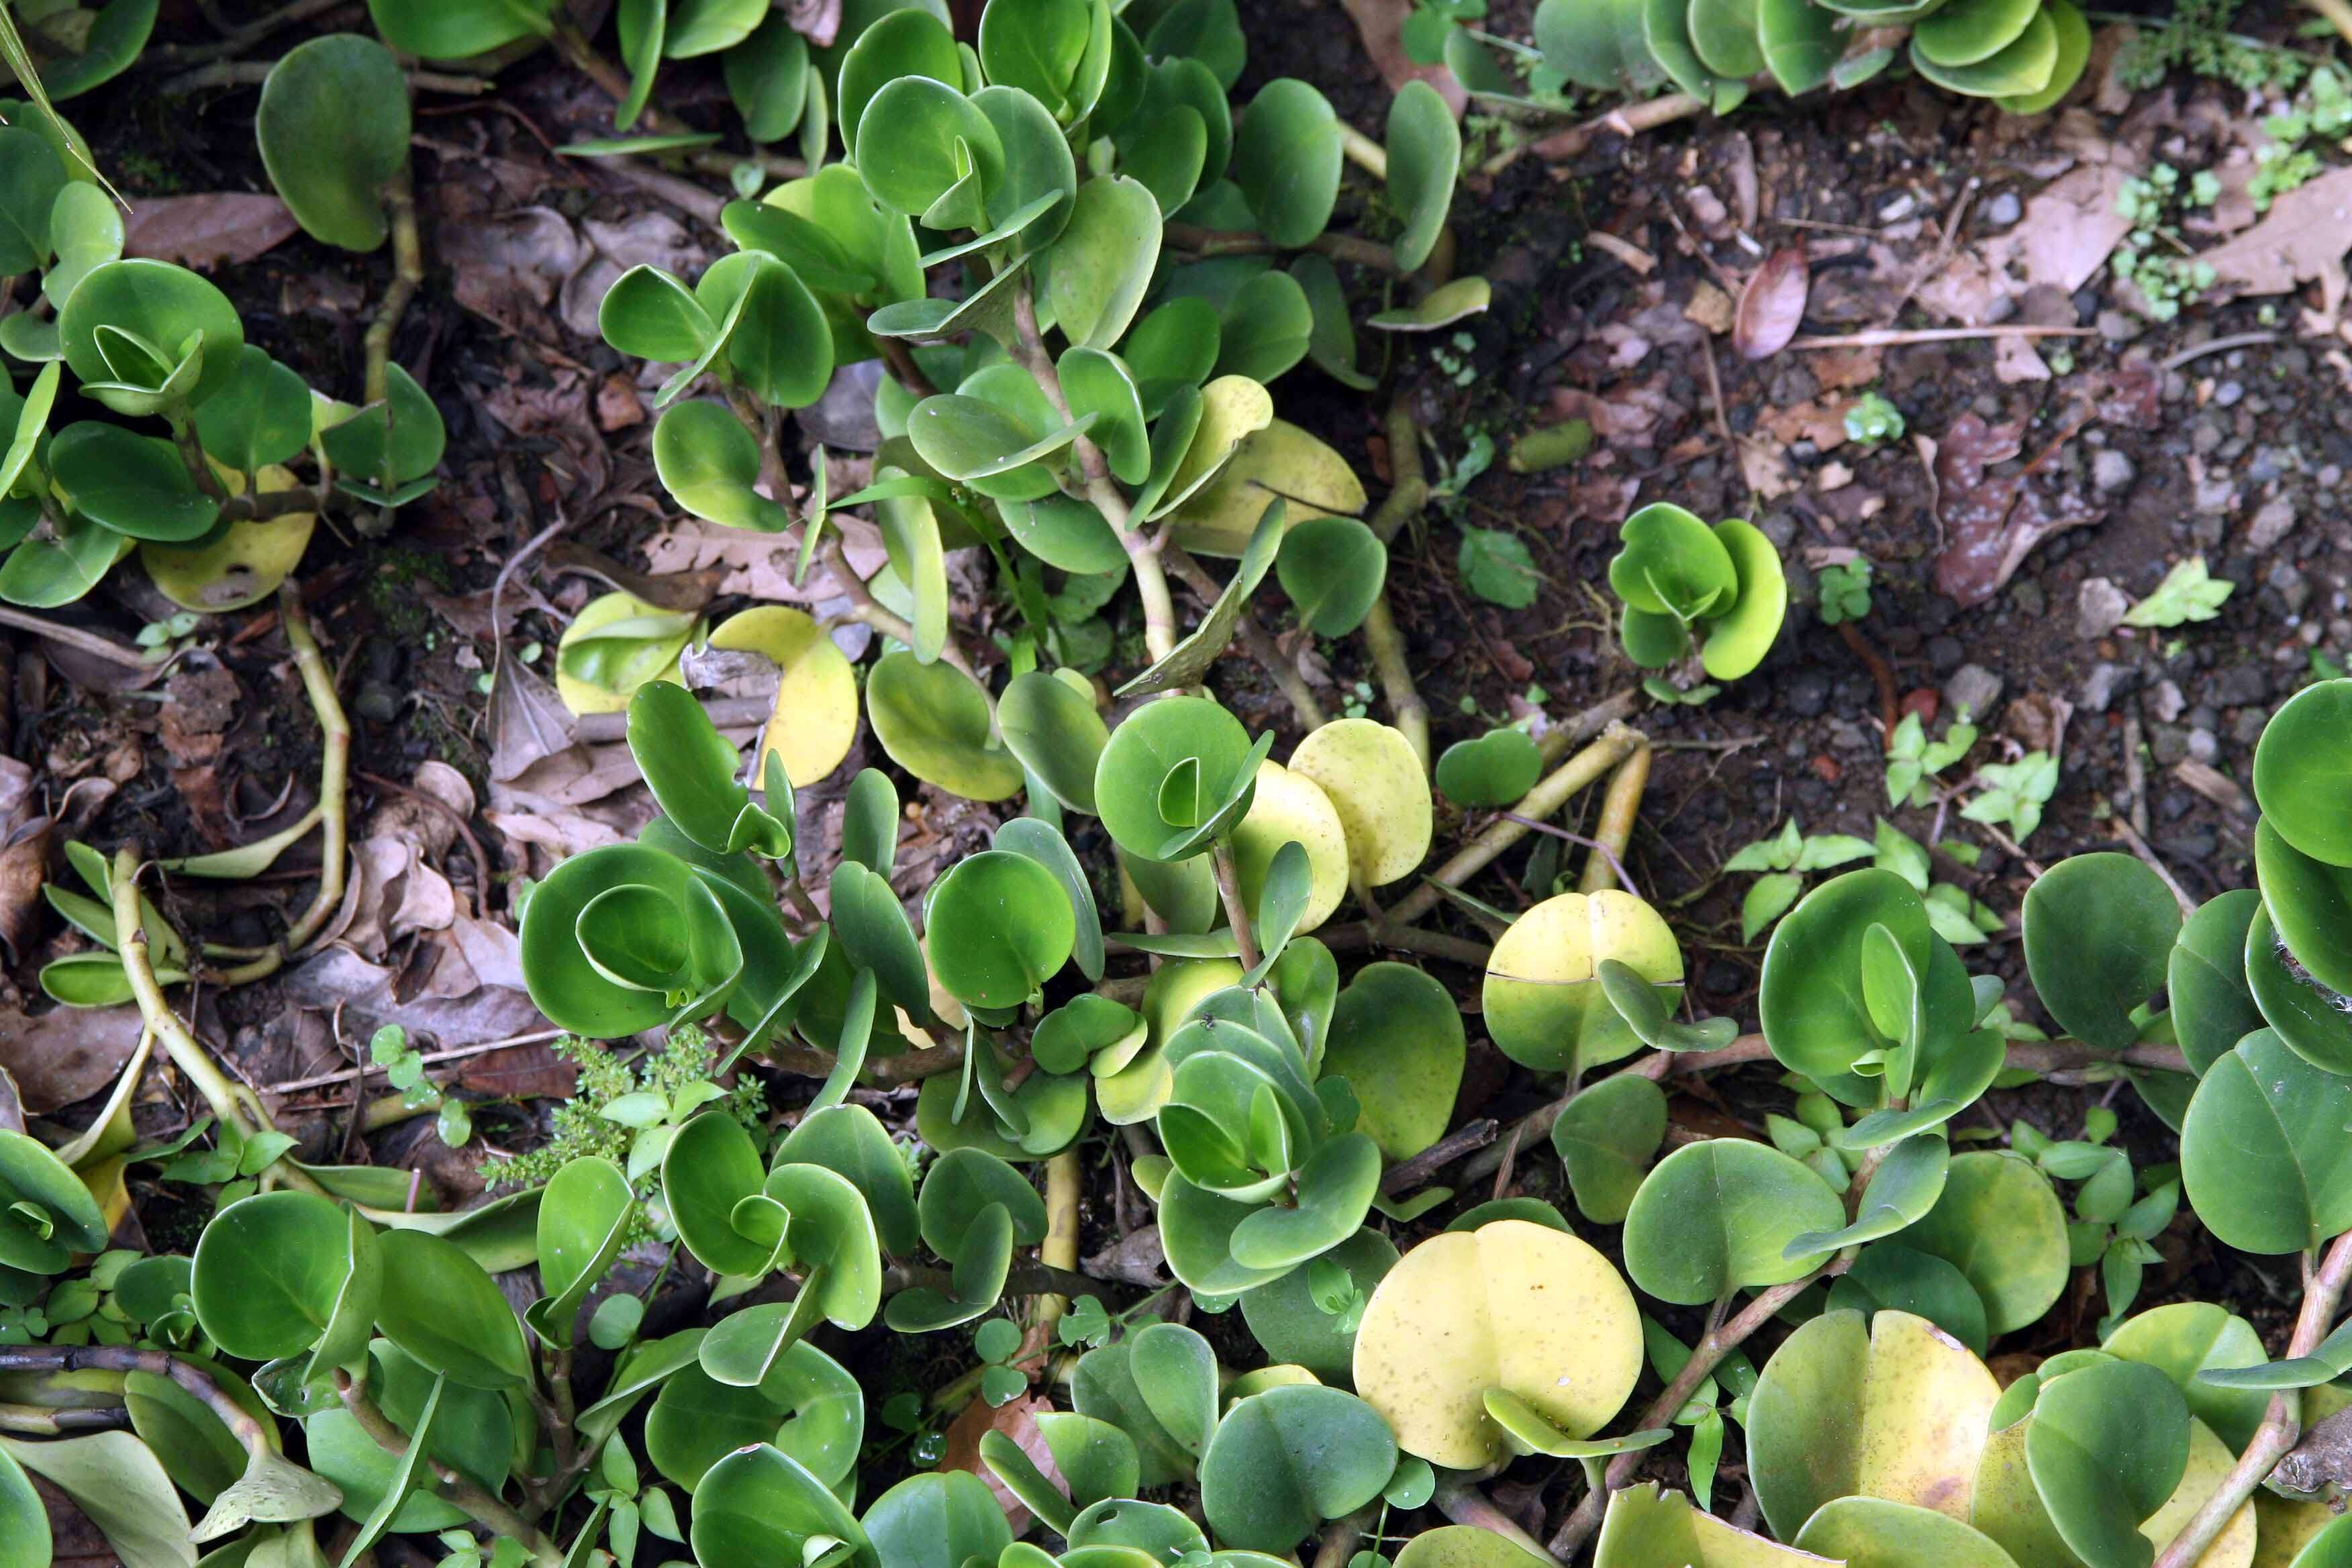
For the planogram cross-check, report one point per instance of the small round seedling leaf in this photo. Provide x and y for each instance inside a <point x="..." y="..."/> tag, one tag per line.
<point x="1513" y="1305"/>
<point x="1737" y="641"/>
<point x="329" y="160"/>
<point x="1720" y="1215"/>
<point x="2099" y="931"/>
<point x="1671" y="564"/>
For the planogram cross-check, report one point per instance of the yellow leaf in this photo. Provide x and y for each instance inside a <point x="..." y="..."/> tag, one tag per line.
<point x="1542" y="1006"/>
<point x="244" y="565"/>
<point x="1290" y="807"/>
<point x="1374" y="780"/>
<point x="1313" y="480"/>
<point x="1511" y="1305"/>
<point x="815" y="719"/>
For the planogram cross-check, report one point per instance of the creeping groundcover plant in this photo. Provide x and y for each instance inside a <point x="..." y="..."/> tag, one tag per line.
<point x="801" y="1277"/>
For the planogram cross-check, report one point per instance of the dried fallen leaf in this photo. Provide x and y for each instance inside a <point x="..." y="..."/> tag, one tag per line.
<point x="2302" y="240"/>
<point x="1772" y="305"/>
<point x="208" y="230"/>
<point x="1993" y="522"/>
<point x="67" y="1054"/>
<point x="1017" y="1419"/>
<point x="1380" y="24"/>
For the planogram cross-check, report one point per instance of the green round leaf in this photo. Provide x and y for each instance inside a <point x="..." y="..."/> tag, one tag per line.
<point x="1541" y="1006"/>
<point x="2001" y="1226"/>
<point x="2206" y="978"/>
<point x="582" y="1217"/>
<point x="2264" y="1160"/>
<point x="1496" y="769"/>
<point x="1333" y="568"/>
<point x="2300" y="765"/>
<point x="1000" y="926"/>
<point x="168" y="309"/>
<point x="963" y="1182"/>
<point x="1053" y="727"/>
<point x="2310" y="902"/>
<point x="1267" y="328"/>
<point x="1397" y="1038"/>
<point x="1965" y="32"/>
<point x="1891" y="1277"/>
<point x="1720" y="1215"/>
<point x="2025" y="65"/>
<point x="1099" y="383"/>
<point x="1424" y="148"/>
<point x="2105" y="1446"/>
<point x="2312" y="1020"/>
<point x="758" y="1505"/>
<point x="262" y="416"/>
<point x="1285" y="1460"/>
<point x="1036" y="48"/>
<point x="919" y="138"/>
<point x="1606" y="1137"/>
<point x="268" y="1272"/>
<point x="1286" y="159"/>
<point x="1872" y="1532"/>
<point x="781" y="350"/>
<point x="457" y="30"/>
<point x="1171" y="769"/>
<point x="1305" y="1318"/>
<point x="2099" y="938"/>
<point x="903" y="41"/>
<point x="23" y="1520"/>
<point x="330" y="163"/>
<point x="441" y="1308"/>
<point x="1738" y="641"/>
<point x="942" y="1519"/>
<point x="136" y="485"/>
<point x="1811" y="1002"/>
<point x="933" y="721"/>
<point x="709" y="464"/>
<point x="1064" y="532"/>
<point x="708" y="1170"/>
<point x="31" y="175"/>
<point x="768" y="77"/>
<point x="2184" y="1338"/>
<point x="1097" y="270"/>
<point x="1673" y="564"/>
<point x="849" y="1142"/>
<point x="612" y="934"/>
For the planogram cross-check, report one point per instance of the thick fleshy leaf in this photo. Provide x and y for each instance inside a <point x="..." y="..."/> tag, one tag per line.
<point x="758" y="1505"/>
<point x="933" y="721"/>
<point x="1606" y="1138"/>
<point x="439" y="1306"/>
<point x="1285" y="1460"/>
<point x="1286" y="159"/>
<point x="1097" y="270"/>
<point x="2212" y="1003"/>
<point x="1722" y="1213"/>
<point x="1001" y="926"/>
<point x="1738" y="641"/>
<point x="2105" y="1446"/>
<point x="2310" y="903"/>
<point x="1544" y="1006"/>
<point x="2300" y="766"/>
<point x="2262" y="1159"/>
<point x="2186" y="1340"/>
<point x="1551" y="1321"/>
<point x="1397" y="1038"/>
<point x="1288" y="1319"/>
<point x="153" y="303"/>
<point x="2099" y="931"/>
<point x="1895" y="1409"/>
<point x="329" y="164"/>
<point x="2001" y="1226"/>
<point x="1174" y="773"/>
<point x="1495" y="769"/>
<point x="1424" y="148"/>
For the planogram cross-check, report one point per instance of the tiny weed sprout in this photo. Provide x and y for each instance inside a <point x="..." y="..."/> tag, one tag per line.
<point x="1017" y="1110"/>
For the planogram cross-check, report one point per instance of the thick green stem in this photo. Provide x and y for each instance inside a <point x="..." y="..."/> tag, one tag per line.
<point x="1408" y="493"/>
<point x="468" y="1496"/>
<point x="407" y="276"/>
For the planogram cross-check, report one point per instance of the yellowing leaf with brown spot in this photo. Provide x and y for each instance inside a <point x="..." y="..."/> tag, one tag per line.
<point x="1374" y="780"/>
<point x="1511" y="1305"/>
<point x="2284" y="1528"/>
<point x="1897" y="1410"/>
<point x="244" y="565"/>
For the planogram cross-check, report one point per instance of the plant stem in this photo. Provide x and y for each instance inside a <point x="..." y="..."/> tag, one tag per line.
<point x="1705" y="1357"/>
<point x="333" y="812"/>
<point x="468" y="1496"/>
<point x="197" y="1382"/>
<point x="1408" y="494"/>
<point x="1363" y="152"/>
<point x="1065" y="1187"/>
<point x="1405" y="938"/>
<point x="1340" y="1535"/>
<point x="254" y="506"/>
<point x="1604" y="866"/>
<point x="2280" y="1425"/>
<point x="1881" y="674"/>
<point x="407" y="276"/>
<point x="1629" y="121"/>
<point x="1229" y="888"/>
<point x="39" y="1421"/>
<point x="1550" y="794"/>
<point x="1260" y="647"/>
<point x="90" y="643"/>
<point x="574" y="46"/>
<point x="1142" y="553"/>
<point x="1460" y="1500"/>
<point x="253" y="73"/>
<point x="1211" y="242"/>
<point x="236" y="1107"/>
